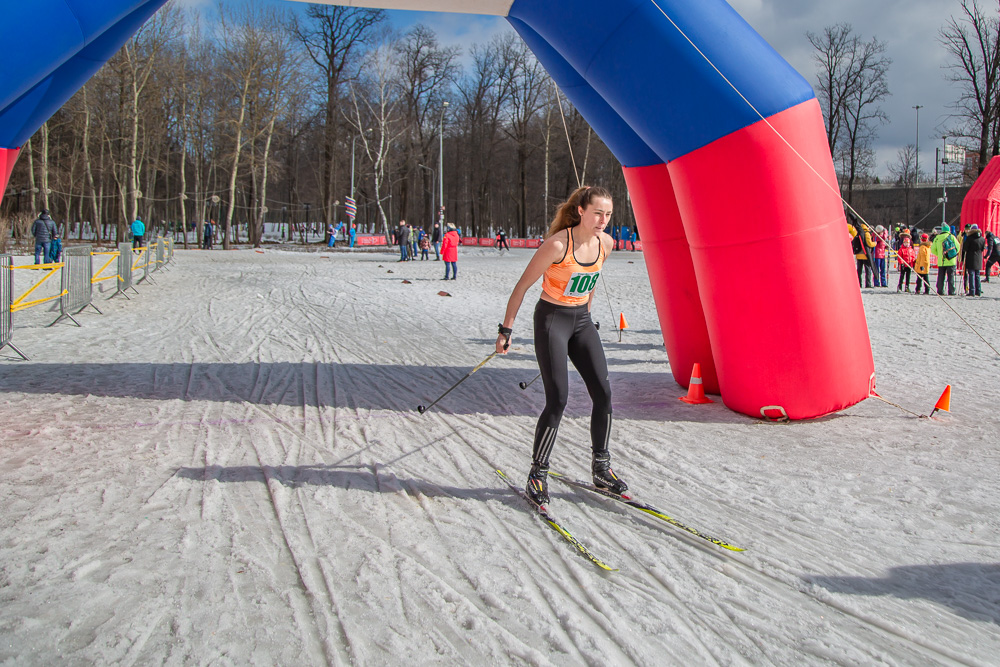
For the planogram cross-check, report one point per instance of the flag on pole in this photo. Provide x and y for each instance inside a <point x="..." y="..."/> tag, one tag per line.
<point x="351" y="207"/>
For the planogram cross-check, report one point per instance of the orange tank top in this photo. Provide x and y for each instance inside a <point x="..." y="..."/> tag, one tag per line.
<point x="570" y="282"/>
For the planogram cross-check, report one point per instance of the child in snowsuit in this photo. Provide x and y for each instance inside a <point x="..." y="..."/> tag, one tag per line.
<point x="907" y="257"/>
<point x="922" y="265"/>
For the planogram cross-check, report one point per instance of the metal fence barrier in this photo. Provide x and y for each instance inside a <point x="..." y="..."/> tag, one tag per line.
<point x="77" y="284"/>
<point x="124" y="270"/>
<point x="142" y="263"/>
<point x="6" y="298"/>
<point x="161" y="252"/>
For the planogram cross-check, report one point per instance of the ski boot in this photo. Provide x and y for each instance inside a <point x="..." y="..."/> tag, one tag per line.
<point x="537" y="487"/>
<point x="604" y="477"/>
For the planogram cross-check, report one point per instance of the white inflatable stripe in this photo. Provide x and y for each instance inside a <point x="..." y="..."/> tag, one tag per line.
<point x="490" y="7"/>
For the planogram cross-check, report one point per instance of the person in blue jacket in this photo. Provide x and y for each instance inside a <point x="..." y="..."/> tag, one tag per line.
<point x="138" y="232"/>
<point x="55" y="249"/>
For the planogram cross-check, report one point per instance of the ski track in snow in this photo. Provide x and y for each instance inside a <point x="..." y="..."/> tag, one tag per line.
<point x="229" y="468"/>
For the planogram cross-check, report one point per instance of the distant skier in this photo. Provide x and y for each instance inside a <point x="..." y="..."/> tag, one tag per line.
<point x="569" y="262"/>
<point x="502" y="241"/>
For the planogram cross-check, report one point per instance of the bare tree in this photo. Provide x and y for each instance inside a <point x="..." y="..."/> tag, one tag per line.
<point x="484" y="95"/>
<point x="972" y="42"/>
<point x="428" y="72"/>
<point x="904" y="173"/>
<point x="376" y="99"/>
<point x="852" y="84"/>
<point x="528" y="82"/>
<point x="334" y="37"/>
<point x="253" y="42"/>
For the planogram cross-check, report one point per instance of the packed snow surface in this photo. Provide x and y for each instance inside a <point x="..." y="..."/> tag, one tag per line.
<point x="229" y="469"/>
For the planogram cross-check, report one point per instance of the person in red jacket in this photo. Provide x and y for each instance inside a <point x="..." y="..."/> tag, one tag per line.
<point x="907" y="258"/>
<point x="449" y="252"/>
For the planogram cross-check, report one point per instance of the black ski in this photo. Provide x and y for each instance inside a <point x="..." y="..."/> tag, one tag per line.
<point x="544" y="513"/>
<point x="648" y="509"/>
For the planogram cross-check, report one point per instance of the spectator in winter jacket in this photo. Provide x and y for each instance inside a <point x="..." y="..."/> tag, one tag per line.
<point x="436" y="241"/>
<point x="425" y="245"/>
<point x="907" y="257"/>
<point x="945" y="248"/>
<point x="922" y="265"/>
<point x="879" y="253"/>
<point x="44" y="230"/>
<point x="209" y="231"/>
<point x="972" y="255"/>
<point x="138" y="232"/>
<point x="862" y="243"/>
<point x="449" y="252"/>
<point x="992" y="253"/>
<point x="403" y="238"/>
<point x="353" y="234"/>
<point x="55" y="250"/>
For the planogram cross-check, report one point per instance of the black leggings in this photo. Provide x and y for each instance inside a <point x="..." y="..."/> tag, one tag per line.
<point x="563" y="332"/>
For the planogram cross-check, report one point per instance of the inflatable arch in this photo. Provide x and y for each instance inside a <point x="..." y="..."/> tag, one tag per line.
<point x="724" y="153"/>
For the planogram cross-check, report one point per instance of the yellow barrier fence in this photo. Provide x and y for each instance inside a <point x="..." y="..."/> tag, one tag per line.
<point x="20" y="303"/>
<point x="97" y="276"/>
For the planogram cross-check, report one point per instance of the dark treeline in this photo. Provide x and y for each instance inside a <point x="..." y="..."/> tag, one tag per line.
<point x="256" y="118"/>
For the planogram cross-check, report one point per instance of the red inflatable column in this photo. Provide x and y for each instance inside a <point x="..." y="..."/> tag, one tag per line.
<point x="775" y="272"/>
<point x="8" y="156"/>
<point x="671" y="274"/>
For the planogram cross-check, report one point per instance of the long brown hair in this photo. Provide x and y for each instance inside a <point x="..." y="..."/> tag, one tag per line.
<point x="567" y="215"/>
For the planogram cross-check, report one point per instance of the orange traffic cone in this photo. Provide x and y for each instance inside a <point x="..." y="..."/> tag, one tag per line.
<point x="622" y="324"/>
<point x="696" y="390"/>
<point x="943" y="403"/>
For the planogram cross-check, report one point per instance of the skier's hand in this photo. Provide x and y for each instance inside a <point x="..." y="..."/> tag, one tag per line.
<point x="503" y="339"/>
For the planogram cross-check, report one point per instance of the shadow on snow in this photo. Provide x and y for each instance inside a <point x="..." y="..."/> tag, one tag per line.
<point x="493" y="390"/>
<point x="971" y="590"/>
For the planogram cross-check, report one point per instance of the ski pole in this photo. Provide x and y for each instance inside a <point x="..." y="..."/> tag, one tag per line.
<point x="421" y="409"/>
<point x="525" y="385"/>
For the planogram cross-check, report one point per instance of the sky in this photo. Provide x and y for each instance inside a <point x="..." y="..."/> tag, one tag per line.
<point x="909" y="27"/>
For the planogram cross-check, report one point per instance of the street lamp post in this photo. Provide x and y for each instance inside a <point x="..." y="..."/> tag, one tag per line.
<point x="433" y="186"/>
<point x="441" y="165"/>
<point x="916" y="175"/>
<point x="944" y="180"/>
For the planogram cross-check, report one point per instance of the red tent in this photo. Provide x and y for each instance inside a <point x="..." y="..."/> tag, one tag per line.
<point x="982" y="204"/>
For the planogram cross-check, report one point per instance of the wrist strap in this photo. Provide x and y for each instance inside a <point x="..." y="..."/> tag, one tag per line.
<point x="501" y="329"/>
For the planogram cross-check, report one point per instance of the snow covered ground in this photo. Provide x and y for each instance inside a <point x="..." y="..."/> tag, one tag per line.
<point x="229" y="469"/>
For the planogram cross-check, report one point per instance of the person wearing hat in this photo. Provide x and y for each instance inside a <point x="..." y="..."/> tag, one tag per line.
<point x="922" y="265"/>
<point x="862" y="242"/>
<point x="449" y="252"/>
<point x="945" y="248"/>
<point x="992" y="253"/>
<point x="138" y="232"/>
<point x="907" y="256"/>
<point x="972" y="255"/>
<point x="879" y="253"/>
<point x="44" y="230"/>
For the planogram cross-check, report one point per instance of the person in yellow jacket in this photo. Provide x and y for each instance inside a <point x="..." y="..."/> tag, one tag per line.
<point x="922" y="264"/>
<point x="862" y="242"/>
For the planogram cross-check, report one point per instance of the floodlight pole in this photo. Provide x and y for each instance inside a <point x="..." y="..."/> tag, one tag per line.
<point x="441" y="166"/>
<point x="944" y="180"/>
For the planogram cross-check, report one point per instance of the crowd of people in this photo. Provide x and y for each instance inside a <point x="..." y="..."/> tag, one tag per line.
<point x="968" y="252"/>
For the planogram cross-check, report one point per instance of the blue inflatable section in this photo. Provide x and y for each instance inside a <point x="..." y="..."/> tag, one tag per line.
<point x="57" y="61"/>
<point x="626" y="145"/>
<point x="648" y="71"/>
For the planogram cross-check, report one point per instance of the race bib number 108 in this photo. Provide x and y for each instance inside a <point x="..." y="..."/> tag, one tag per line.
<point x="581" y="284"/>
